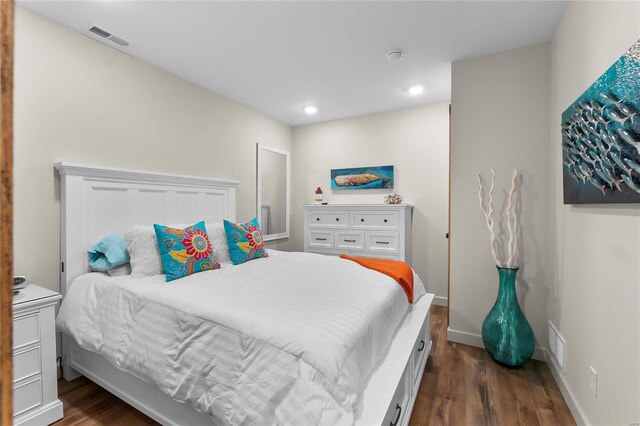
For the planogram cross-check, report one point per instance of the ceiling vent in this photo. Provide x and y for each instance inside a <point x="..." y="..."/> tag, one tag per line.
<point x="109" y="36"/>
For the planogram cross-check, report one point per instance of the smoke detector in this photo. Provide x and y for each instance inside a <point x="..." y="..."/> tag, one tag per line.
<point x="108" y="35"/>
<point x="395" y="55"/>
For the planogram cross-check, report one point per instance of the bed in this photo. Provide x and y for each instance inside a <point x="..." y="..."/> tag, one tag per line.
<point x="296" y="338"/>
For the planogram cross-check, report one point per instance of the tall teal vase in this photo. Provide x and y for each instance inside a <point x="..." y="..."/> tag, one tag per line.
<point x="506" y="333"/>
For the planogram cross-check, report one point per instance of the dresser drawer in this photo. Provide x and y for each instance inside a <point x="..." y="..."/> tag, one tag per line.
<point x="331" y="219"/>
<point x="324" y="252"/>
<point x="374" y="220"/>
<point x="418" y="354"/>
<point x="27" y="396"/>
<point x="350" y="240"/>
<point x="26" y="364"/>
<point x="376" y="255"/>
<point x="398" y="408"/>
<point x="382" y="242"/>
<point x="321" y="239"/>
<point x="26" y="330"/>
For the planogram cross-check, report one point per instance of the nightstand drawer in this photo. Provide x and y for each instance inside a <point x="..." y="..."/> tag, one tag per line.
<point x="26" y="331"/>
<point x="27" y="396"/>
<point x="26" y="364"/>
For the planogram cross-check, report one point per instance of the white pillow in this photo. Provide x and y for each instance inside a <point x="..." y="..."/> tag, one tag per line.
<point x="218" y="239"/>
<point x="142" y="245"/>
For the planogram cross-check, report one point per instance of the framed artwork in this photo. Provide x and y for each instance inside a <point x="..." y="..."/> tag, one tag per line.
<point x="376" y="177"/>
<point x="601" y="137"/>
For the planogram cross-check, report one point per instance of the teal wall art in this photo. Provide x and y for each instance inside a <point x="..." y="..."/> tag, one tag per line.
<point x="378" y="177"/>
<point x="601" y="137"/>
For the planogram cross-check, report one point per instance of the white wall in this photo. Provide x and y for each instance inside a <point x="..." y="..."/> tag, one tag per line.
<point x="595" y="302"/>
<point x="79" y="100"/>
<point x="416" y="142"/>
<point x="499" y="120"/>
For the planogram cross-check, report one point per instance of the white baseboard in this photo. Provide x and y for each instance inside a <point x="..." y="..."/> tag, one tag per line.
<point x="473" y="339"/>
<point x="440" y="301"/>
<point x="463" y="337"/>
<point x="576" y="410"/>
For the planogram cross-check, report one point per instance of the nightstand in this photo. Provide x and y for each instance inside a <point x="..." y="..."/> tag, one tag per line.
<point x="35" y="387"/>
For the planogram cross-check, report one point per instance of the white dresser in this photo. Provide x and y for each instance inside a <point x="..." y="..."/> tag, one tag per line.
<point x="35" y="386"/>
<point x="366" y="230"/>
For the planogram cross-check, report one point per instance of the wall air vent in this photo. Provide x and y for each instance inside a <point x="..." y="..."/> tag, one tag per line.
<point x="118" y="40"/>
<point x="100" y="31"/>
<point x="108" y="35"/>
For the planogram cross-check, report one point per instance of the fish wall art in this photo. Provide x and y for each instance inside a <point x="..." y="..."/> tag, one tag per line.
<point x="601" y="137"/>
<point x="378" y="177"/>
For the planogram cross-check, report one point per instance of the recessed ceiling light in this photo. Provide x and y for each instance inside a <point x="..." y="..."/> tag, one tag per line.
<point x="395" y="55"/>
<point x="310" y="109"/>
<point x="416" y="90"/>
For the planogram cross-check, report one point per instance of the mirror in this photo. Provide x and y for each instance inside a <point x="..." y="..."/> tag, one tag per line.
<point x="273" y="189"/>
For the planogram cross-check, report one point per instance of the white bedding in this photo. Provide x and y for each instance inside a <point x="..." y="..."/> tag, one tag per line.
<point x="289" y="339"/>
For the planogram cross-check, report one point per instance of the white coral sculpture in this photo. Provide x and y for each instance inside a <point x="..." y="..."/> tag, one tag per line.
<point x="512" y="220"/>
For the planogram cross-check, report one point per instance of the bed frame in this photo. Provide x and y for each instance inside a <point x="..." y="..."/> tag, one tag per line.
<point x="96" y="201"/>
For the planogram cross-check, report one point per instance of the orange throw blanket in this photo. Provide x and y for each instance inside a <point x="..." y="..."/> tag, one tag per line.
<point x="396" y="269"/>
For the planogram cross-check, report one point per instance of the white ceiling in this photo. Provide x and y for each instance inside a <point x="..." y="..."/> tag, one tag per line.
<point x="277" y="57"/>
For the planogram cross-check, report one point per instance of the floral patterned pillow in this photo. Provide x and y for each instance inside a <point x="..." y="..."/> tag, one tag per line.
<point x="245" y="241"/>
<point x="185" y="251"/>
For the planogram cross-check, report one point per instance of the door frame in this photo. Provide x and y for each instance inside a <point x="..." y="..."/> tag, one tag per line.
<point x="449" y="231"/>
<point x="6" y="210"/>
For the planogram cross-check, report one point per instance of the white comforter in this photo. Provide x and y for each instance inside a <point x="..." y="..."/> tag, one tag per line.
<point x="290" y="339"/>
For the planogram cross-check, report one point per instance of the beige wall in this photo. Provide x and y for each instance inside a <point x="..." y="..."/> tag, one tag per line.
<point x="79" y="100"/>
<point x="499" y="120"/>
<point x="595" y="302"/>
<point x="416" y="142"/>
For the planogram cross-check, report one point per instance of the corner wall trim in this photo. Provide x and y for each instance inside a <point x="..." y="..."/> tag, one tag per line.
<point x="440" y="301"/>
<point x="473" y="339"/>
<point x="576" y="410"/>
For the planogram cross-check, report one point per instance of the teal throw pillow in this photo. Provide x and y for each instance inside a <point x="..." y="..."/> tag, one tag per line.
<point x="245" y="241"/>
<point x="108" y="253"/>
<point x="185" y="251"/>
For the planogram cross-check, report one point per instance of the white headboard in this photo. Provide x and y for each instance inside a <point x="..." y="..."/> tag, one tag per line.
<point x="98" y="201"/>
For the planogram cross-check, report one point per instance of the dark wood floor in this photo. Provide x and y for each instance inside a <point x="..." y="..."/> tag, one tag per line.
<point x="86" y="403"/>
<point x="461" y="386"/>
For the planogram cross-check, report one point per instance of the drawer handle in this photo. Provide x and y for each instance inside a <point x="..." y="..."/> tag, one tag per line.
<point x="399" y="410"/>
<point x="421" y="346"/>
<point x="349" y="241"/>
<point x="321" y="239"/>
<point x="385" y="221"/>
<point x="337" y="219"/>
<point x="361" y="220"/>
<point x="317" y="219"/>
<point x="382" y="242"/>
